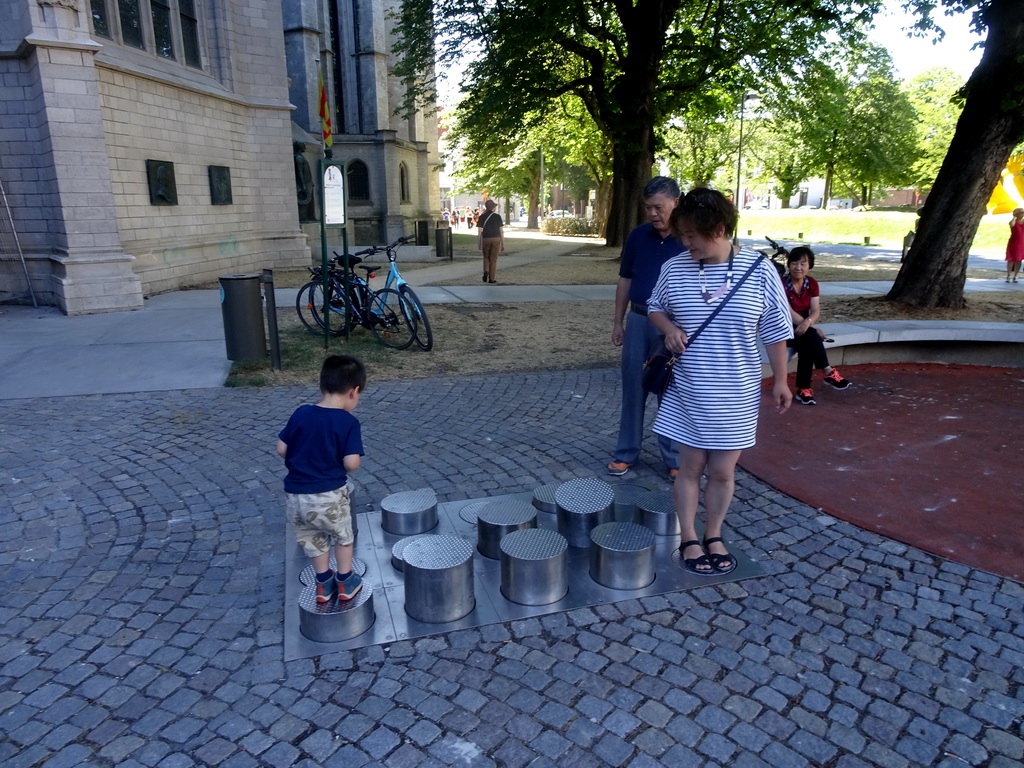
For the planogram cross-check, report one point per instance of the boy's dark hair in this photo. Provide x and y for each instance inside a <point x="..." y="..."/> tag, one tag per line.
<point x="798" y="253"/>
<point x="705" y="210"/>
<point x="342" y="373"/>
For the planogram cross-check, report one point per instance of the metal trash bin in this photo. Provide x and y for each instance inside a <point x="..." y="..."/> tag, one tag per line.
<point x="242" y="308"/>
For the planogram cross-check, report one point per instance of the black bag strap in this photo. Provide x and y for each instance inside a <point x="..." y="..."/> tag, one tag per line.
<point x="729" y="295"/>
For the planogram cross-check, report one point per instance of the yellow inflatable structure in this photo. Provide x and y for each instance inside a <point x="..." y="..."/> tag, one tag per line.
<point x="1009" y="192"/>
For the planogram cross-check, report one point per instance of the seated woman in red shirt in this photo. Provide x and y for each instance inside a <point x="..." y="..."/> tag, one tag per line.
<point x="802" y="292"/>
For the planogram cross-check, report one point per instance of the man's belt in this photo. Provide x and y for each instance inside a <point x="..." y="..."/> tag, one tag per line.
<point x="640" y="309"/>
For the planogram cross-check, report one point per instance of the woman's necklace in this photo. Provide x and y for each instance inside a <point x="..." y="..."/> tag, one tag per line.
<point x="709" y="297"/>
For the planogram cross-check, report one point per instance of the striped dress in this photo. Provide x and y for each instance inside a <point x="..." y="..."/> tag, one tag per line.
<point x="715" y="393"/>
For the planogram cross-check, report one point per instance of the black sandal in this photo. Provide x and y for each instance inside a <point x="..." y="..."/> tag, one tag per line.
<point x="691" y="563"/>
<point x="717" y="560"/>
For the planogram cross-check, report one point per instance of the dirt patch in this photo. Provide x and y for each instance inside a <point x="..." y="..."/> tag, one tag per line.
<point x="528" y="336"/>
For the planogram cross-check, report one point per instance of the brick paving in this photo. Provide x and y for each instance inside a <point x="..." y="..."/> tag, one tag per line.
<point x="141" y="610"/>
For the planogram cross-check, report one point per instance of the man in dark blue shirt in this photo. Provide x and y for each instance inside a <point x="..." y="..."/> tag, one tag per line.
<point x="648" y="247"/>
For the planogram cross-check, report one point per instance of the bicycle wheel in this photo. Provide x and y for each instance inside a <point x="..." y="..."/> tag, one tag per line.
<point x="392" y="318"/>
<point x="310" y="295"/>
<point x="309" y="303"/>
<point x="424" y="336"/>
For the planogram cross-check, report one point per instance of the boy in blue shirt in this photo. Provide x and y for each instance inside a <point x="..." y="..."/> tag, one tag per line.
<point x="320" y="445"/>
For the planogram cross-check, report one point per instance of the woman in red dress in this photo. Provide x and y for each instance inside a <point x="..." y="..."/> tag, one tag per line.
<point x="1015" y="247"/>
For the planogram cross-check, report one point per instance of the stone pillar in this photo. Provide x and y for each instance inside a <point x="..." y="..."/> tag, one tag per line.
<point x="90" y="271"/>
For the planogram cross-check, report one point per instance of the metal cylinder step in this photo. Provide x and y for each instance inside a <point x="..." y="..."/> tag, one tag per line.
<point x="337" y="620"/>
<point x="409" y="512"/>
<point x="499" y="518"/>
<point x="534" y="566"/>
<point x="583" y="504"/>
<point x="657" y="510"/>
<point x="622" y="555"/>
<point x="438" y="579"/>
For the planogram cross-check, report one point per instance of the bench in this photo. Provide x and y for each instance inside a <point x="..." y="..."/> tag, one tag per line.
<point x="921" y="341"/>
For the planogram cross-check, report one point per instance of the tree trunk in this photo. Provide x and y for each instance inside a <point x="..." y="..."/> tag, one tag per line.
<point x="631" y="170"/>
<point x="990" y="126"/>
<point x="830" y="172"/>
<point x="534" y="204"/>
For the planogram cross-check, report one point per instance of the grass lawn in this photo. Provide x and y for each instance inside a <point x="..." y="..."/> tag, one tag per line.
<point x="885" y="228"/>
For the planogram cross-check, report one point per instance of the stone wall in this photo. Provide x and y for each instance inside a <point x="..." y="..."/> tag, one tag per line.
<point x="196" y="241"/>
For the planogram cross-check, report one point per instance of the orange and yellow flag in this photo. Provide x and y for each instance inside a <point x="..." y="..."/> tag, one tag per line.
<point x="325" y="115"/>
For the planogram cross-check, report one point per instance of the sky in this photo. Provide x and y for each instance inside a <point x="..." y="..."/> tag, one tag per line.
<point x="913" y="55"/>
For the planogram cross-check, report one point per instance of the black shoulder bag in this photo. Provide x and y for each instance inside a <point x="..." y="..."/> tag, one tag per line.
<point x="657" y="373"/>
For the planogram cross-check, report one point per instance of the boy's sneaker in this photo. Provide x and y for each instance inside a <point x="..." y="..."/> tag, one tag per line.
<point x="837" y="381"/>
<point x="805" y="396"/>
<point x="326" y="590"/>
<point x="349" y="588"/>
<point x="618" y="468"/>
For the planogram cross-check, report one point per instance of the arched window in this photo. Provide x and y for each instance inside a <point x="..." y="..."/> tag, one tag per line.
<point x="358" y="181"/>
<point x="403" y="182"/>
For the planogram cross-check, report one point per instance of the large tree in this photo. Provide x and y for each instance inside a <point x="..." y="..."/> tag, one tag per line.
<point x="990" y="126"/>
<point x="854" y="121"/>
<point x="633" y="63"/>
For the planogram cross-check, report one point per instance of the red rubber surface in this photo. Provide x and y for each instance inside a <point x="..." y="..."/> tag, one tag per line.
<point x="930" y="455"/>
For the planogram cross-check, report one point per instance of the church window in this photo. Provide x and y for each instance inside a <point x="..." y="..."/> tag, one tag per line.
<point x="162" y="35"/>
<point x="358" y="181"/>
<point x="403" y="182"/>
<point x="168" y="28"/>
<point x="131" y="23"/>
<point x="100" y="21"/>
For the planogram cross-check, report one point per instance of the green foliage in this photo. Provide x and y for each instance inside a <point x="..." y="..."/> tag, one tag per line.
<point x="933" y="96"/>
<point x="570" y="227"/>
<point x="631" y="64"/>
<point x="850" y="120"/>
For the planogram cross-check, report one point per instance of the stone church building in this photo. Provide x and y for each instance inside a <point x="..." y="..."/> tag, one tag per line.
<point x="147" y="145"/>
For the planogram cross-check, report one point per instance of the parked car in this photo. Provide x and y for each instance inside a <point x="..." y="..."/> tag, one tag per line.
<point x="561" y="214"/>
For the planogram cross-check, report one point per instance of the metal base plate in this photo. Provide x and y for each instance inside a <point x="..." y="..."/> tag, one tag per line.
<point x="373" y="547"/>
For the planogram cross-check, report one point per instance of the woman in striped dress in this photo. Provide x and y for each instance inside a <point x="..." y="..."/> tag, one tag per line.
<point x="711" y="407"/>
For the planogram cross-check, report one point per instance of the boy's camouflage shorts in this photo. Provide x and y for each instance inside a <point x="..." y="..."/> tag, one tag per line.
<point x="320" y="520"/>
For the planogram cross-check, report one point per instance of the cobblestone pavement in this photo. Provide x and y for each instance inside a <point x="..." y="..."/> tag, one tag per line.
<point x="141" y="609"/>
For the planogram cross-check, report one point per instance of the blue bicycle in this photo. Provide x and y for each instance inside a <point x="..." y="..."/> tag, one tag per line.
<point x="386" y="313"/>
<point x="424" y="336"/>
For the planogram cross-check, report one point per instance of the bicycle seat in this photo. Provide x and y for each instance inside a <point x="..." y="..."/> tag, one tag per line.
<point x="349" y="259"/>
<point x="369" y="267"/>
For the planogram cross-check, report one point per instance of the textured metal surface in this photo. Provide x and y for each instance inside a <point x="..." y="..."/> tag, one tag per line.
<point x="544" y="498"/>
<point x="409" y="512"/>
<point x="622" y="556"/>
<point x="469" y="512"/>
<point x="499" y="518"/>
<point x="436" y="552"/>
<point x="584" y="495"/>
<point x="397" y="558"/>
<point x="626" y="495"/>
<point x="338" y="620"/>
<point x="308" y="576"/>
<point x="438" y="579"/>
<point x="392" y="623"/>
<point x="583" y="504"/>
<point x="657" y="511"/>
<point x="534" y="566"/>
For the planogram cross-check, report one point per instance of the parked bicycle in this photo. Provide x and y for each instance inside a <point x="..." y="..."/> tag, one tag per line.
<point x="388" y="315"/>
<point x="395" y="281"/>
<point x="778" y="258"/>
